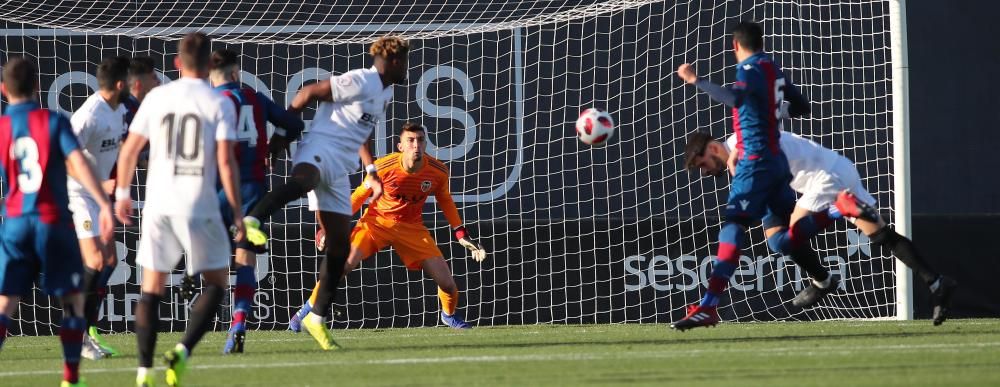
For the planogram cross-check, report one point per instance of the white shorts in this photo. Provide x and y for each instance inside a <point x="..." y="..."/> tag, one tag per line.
<point x="203" y="241"/>
<point x="333" y="194"/>
<point x="85" y="216"/>
<point x="821" y="189"/>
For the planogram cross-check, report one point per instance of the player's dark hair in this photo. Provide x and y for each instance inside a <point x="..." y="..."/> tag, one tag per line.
<point x="195" y="50"/>
<point x="413" y="127"/>
<point x="19" y="77"/>
<point x="141" y="65"/>
<point x="697" y="142"/>
<point x="223" y="58"/>
<point x="111" y="71"/>
<point x="750" y="35"/>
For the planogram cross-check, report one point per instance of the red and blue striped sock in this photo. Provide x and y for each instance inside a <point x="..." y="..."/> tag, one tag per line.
<point x="246" y="285"/>
<point x="71" y="336"/>
<point x="726" y="261"/>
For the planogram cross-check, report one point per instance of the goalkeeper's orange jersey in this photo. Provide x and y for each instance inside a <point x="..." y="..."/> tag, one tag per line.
<point x="404" y="193"/>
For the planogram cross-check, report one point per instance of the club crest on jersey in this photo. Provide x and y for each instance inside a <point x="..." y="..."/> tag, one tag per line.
<point x="425" y="186"/>
<point x="87" y="225"/>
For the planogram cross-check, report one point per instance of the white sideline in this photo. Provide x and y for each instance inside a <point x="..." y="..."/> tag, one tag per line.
<point x="810" y="350"/>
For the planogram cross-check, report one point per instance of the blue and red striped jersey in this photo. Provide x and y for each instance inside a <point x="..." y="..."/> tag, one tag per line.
<point x="35" y="143"/>
<point x="254" y="110"/>
<point x="131" y="105"/>
<point x="756" y="119"/>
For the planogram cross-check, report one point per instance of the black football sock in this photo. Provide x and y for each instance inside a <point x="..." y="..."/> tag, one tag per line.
<point x="147" y="316"/>
<point x="330" y="271"/>
<point x="92" y="300"/>
<point x="277" y="198"/>
<point x="808" y="260"/>
<point x="905" y="251"/>
<point x="202" y="315"/>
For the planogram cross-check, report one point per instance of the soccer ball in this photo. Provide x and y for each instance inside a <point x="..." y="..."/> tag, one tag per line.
<point x="595" y="126"/>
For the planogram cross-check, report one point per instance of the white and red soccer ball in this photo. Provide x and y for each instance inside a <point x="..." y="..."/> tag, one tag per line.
<point x="595" y="126"/>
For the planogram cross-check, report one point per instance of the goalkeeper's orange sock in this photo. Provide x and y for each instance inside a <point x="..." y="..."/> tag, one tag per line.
<point x="449" y="301"/>
<point x="315" y="293"/>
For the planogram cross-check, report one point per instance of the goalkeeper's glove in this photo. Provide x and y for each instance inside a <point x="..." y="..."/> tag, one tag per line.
<point x="320" y="239"/>
<point x="477" y="250"/>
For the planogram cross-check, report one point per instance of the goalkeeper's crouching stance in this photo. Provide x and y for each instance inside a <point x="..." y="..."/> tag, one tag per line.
<point x="396" y="219"/>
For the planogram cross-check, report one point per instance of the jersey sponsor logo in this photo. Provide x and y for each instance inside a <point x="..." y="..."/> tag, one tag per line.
<point x="110" y="144"/>
<point x="368" y="119"/>
<point x="425" y="186"/>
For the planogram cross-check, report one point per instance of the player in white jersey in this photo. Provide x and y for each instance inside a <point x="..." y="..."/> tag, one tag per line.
<point x="191" y="133"/>
<point x="350" y="107"/>
<point x="829" y="188"/>
<point x="98" y="125"/>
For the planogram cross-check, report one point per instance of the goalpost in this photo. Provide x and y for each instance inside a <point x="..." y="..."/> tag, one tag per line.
<point x="576" y="234"/>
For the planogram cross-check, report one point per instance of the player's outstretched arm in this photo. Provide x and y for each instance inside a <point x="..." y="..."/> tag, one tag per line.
<point x="444" y="199"/>
<point x="79" y="169"/>
<point x="347" y="87"/>
<point x="319" y="91"/>
<point x="732" y="97"/>
<point x="358" y="197"/>
<point x="127" y="159"/>
<point x="229" y="175"/>
<point x="288" y="127"/>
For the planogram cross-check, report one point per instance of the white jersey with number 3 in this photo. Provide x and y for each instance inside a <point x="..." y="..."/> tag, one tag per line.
<point x="99" y="128"/>
<point x="359" y="104"/>
<point x="183" y="120"/>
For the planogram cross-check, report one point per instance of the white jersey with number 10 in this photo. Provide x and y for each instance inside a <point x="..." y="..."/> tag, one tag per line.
<point x="183" y="120"/>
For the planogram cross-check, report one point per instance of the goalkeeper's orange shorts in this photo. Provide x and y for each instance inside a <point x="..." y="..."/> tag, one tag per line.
<point x="412" y="242"/>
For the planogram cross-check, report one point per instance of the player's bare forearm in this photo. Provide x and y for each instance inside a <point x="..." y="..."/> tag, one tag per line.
<point x="229" y="175"/>
<point x="79" y="169"/>
<point x="319" y="91"/>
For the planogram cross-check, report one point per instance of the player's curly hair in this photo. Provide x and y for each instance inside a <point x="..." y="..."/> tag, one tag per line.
<point x="389" y="46"/>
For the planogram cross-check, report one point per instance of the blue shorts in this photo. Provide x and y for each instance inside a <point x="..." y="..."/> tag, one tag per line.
<point x="760" y="190"/>
<point x="250" y="192"/>
<point x="30" y="250"/>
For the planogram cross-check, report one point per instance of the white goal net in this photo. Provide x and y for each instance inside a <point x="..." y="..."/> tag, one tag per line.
<point x="576" y="234"/>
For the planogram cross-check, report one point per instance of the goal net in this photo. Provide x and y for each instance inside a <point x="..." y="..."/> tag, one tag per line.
<point x="576" y="234"/>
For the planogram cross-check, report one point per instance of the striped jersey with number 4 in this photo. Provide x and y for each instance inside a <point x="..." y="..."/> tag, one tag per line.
<point x="183" y="120"/>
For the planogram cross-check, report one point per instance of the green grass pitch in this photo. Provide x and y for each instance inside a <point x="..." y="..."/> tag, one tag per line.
<point x="841" y="353"/>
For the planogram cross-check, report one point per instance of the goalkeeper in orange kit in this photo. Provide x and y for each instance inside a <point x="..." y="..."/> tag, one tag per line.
<point x="395" y="219"/>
